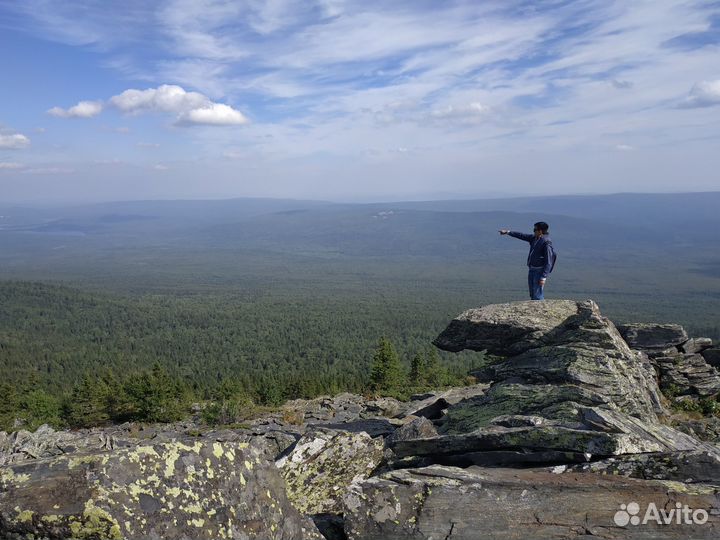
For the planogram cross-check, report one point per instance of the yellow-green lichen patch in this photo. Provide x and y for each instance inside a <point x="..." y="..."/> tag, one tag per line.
<point x="197" y="522"/>
<point x="25" y="516"/>
<point x="74" y="462"/>
<point x="172" y="457"/>
<point x="51" y="518"/>
<point x="248" y="465"/>
<point x="139" y="451"/>
<point x="218" y="450"/>
<point x="96" y="523"/>
<point x="193" y="509"/>
<point x="10" y="476"/>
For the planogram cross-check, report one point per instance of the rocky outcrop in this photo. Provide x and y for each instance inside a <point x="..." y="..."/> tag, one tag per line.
<point x="497" y="503"/>
<point x="171" y="490"/>
<point x="560" y="343"/>
<point x="565" y="434"/>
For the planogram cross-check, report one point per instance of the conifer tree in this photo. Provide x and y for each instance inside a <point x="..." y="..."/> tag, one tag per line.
<point x="386" y="371"/>
<point x="417" y="369"/>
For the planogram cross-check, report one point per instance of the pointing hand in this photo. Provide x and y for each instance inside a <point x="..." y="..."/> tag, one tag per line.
<point x="503" y="231"/>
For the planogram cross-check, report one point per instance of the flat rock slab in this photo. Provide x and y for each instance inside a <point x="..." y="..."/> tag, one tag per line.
<point x="439" y="503"/>
<point x="505" y="329"/>
<point x="540" y="438"/>
<point x="174" y="490"/>
<point x="653" y="335"/>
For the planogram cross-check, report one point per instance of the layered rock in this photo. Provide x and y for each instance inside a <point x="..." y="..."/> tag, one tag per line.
<point x="687" y="374"/>
<point x="562" y="343"/>
<point x="171" y="490"/>
<point x="439" y="502"/>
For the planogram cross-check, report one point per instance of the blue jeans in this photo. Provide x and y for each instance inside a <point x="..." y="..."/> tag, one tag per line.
<point x="536" y="290"/>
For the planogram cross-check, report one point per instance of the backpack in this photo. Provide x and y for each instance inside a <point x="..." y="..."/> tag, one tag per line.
<point x="553" y="255"/>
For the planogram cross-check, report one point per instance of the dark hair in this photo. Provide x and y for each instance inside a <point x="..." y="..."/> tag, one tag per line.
<point x="542" y="226"/>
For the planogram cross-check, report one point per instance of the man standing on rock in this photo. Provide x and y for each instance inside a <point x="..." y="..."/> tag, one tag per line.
<point x="541" y="259"/>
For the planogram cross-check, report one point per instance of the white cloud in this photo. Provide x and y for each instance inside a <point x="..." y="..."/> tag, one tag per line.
<point x="84" y="109"/>
<point x="9" y="165"/>
<point x="703" y="94"/>
<point x="161" y="167"/>
<point x="214" y="114"/>
<point x="14" y="141"/>
<point x="192" y="108"/>
<point x="165" y="98"/>
<point x="624" y="147"/>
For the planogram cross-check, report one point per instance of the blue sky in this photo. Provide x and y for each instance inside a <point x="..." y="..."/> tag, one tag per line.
<point x="363" y="100"/>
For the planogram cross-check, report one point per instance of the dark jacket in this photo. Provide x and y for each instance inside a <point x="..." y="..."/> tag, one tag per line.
<point x="540" y="251"/>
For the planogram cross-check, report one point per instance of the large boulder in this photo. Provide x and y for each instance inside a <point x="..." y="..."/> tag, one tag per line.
<point x="323" y="464"/>
<point x="653" y="336"/>
<point x="185" y="489"/>
<point x="505" y="504"/>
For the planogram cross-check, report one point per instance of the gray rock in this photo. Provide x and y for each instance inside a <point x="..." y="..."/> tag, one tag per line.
<point x="689" y="467"/>
<point x="432" y="405"/>
<point x="517" y="420"/>
<point x="323" y="464"/>
<point x="557" y="342"/>
<point x="703" y="429"/>
<point x="171" y="490"/>
<point x="696" y="345"/>
<point x="688" y="374"/>
<point x="548" y="437"/>
<point x="415" y="428"/>
<point x="384" y="406"/>
<point x="556" y="402"/>
<point x="509" y="504"/>
<point x="712" y="357"/>
<point x="506" y="329"/>
<point x="653" y="336"/>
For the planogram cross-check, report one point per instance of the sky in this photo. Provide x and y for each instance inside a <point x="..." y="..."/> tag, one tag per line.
<point x="356" y="100"/>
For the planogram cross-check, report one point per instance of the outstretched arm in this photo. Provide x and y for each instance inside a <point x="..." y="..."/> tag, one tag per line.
<point x="521" y="236"/>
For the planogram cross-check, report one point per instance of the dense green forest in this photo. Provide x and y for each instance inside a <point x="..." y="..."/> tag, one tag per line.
<point x="55" y="339"/>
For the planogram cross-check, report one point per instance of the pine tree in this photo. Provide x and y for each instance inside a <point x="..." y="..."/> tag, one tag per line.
<point x="87" y="405"/>
<point x="435" y="374"/>
<point x="386" y="371"/>
<point x="417" y="369"/>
